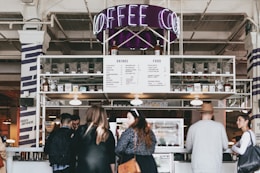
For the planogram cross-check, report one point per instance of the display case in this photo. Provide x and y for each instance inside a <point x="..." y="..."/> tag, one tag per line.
<point x="169" y="132"/>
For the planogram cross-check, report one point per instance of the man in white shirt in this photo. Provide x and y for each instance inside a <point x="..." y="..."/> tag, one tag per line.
<point x="206" y="140"/>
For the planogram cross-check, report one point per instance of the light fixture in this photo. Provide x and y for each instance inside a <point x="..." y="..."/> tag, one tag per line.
<point x="75" y="101"/>
<point x="52" y="116"/>
<point x="7" y="121"/>
<point x="10" y="142"/>
<point x="229" y="110"/>
<point x="196" y="101"/>
<point x="136" y="101"/>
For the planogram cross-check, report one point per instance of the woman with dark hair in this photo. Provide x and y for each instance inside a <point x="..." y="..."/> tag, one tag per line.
<point x="243" y="123"/>
<point x="137" y="140"/>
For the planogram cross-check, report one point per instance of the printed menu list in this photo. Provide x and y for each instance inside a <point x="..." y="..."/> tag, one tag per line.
<point x="136" y="74"/>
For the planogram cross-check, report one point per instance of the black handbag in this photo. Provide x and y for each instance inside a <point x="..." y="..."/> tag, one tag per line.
<point x="250" y="160"/>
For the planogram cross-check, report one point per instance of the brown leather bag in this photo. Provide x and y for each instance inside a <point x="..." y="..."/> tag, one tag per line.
<point x="130" y="166"/>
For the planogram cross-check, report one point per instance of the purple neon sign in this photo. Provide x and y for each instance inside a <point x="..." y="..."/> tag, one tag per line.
<point x="134" y="15"/>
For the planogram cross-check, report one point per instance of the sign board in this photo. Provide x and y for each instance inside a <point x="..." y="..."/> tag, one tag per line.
<point x="115" y="18"/>
<point x="136" y="74"/>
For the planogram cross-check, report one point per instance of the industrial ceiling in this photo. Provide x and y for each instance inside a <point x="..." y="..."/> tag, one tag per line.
<point x="208" y="27"/>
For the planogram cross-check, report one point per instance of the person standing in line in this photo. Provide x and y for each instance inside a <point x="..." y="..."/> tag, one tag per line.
<point x="243" y="123"/>
<point x="206" y="140"/>
<point x="75" y="122"/>
<point x="96" y="143"/>
<point x="137" y="140"/>
<point x="59" y="146"/>
<point x="74" y="159"/>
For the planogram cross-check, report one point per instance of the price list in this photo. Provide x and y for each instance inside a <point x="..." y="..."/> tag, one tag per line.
<point x="136" y="74"/>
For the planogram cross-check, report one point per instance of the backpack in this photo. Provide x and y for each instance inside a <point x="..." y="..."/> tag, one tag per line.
<point x="59" y="146"/>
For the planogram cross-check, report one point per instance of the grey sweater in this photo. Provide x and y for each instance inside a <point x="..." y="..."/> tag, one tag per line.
<point x="207" y="140"/>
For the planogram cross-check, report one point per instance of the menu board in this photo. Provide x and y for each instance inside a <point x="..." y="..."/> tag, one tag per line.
<point x="136" y="74"/>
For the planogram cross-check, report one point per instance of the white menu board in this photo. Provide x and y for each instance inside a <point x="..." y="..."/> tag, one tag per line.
<point x="137" y="74"/>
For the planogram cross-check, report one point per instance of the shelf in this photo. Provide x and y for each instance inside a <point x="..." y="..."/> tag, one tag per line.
<point x="117" y="96"/>
<point x="70" y="74"/>
<point x="201" y="74"/>
<point x="69" y="95"/>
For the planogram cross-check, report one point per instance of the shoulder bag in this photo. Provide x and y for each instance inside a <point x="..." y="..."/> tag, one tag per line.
<point x="250" y="160"/>
<point x="130" y="166"/>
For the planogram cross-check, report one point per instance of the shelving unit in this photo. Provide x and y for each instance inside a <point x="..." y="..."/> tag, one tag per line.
<point x="89" y="83"/>
<point x="202" y="76"/>
<point x="242" y="100"/>
<point x="93" y="80"/>
<point x="153" y="77"/>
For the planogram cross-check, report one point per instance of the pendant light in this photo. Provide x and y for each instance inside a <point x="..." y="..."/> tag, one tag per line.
<point x="136" y="101"/>
<point x="75" y="101"/>
<point x="196" y="101"/>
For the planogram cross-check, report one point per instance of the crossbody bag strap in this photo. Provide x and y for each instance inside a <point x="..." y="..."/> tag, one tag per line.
<point x="250" y="137"/>
<point x="135" y="144"/>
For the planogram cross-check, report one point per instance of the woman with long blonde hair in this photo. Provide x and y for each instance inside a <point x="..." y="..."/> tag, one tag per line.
<point x="96" y="143"/>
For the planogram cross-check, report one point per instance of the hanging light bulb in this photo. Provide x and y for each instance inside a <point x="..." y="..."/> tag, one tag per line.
<point x="75" y="101"/>
<point x="136" y="101"/>
<point x="7" y="121"/>
<point x="196" y="101"/>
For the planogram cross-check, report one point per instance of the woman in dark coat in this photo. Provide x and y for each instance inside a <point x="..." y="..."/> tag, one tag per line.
<point x="96" y="144"/>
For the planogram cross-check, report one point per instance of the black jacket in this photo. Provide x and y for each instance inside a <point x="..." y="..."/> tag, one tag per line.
<point x="59" y="146"/>
<point x="93" y="158"/>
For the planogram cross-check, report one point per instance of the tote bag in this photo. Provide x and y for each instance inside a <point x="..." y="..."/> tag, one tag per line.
<point x="250" y="160"/>
<point x="130" y="166"/>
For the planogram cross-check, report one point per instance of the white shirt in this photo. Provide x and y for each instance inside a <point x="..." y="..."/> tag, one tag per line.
<point x="241" y="146"/>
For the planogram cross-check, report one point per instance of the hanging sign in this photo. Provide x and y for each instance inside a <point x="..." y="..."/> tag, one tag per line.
<point x="136" y="15"/>
<point x="136" y="74"/>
